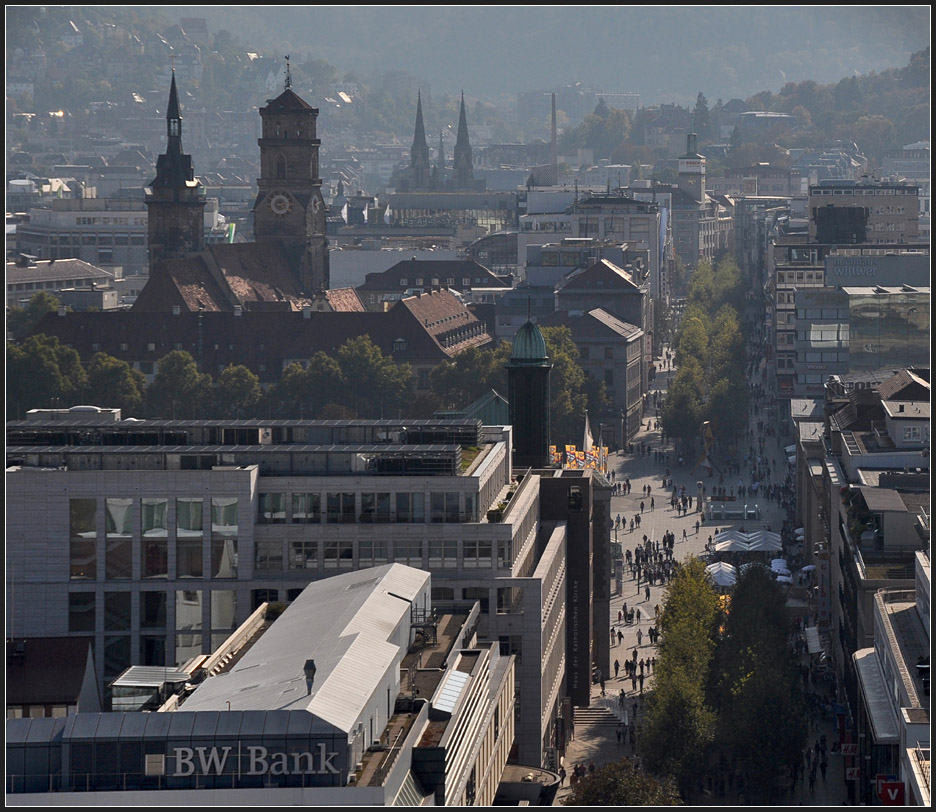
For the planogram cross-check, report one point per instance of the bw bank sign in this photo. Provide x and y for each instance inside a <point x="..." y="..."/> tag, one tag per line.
<point x="185" y="762"/>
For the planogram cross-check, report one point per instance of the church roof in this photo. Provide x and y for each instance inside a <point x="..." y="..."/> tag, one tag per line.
<point x="251" y="275"/>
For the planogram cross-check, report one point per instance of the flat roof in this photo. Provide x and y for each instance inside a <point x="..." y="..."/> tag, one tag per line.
<point x="877" y="697"/>
<point x="882" y="499"/>
<point x="347" y="625"/>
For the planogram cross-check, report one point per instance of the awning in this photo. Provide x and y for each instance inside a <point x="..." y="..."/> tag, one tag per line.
<point x="812" y="640"/>
<point x="884" y="727"/>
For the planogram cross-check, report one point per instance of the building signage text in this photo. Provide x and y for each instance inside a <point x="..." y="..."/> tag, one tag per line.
<point x="259" y="761"/>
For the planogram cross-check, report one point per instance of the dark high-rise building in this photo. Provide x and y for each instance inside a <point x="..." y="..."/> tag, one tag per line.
<point x="528" y="394"/>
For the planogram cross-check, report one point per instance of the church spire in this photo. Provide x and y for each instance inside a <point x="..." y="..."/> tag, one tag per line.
<point x="419" y="152"/>
<point x="174" y="168"/>
<point x="173" y="120"/>
<point x="464" y="172"/>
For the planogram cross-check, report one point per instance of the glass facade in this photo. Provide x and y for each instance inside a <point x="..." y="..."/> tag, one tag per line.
<point x="889" y="330"/>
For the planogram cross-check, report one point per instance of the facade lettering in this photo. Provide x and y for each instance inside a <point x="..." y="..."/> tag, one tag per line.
<point x="212" y="761"/>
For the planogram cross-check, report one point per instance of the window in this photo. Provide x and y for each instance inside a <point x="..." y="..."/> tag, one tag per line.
<point x="81" y="612"/>
<point x="268" y="555"/>
<point x="189" y="558"/>
<point x="372" y="552"/>
<point x="223" y="609"/>
<point x="153" y="610"/>
<point x="306" y="508"/>
<point x="411" y="508"/>
<point x="443" y="552"/>
<point x="223" y="557"/>
<point x="609" y="353"/>
<point x="83" y="536"/>
<point x="912" y="434"/>
<point x="375" y="507"/>
<point x="155" y="514"/>
<point x="224" y="516"/>
<point x="189" y="518"/>
<point x="303" y="554"/>
<point x="338" y="554"/>
<point x="341" y="508"/>
<point x="272" y="508"/>
<point x="116" y="611"/>
<point x="155" y="558"/>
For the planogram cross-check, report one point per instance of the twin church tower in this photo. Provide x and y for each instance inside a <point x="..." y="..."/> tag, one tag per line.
<point x="288" y="260"/>
<point x="289" y="211"/>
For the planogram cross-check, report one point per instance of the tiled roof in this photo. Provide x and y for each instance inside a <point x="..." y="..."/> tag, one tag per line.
<point x="595" y="323"/>
<point x="904" y="385"/>
<point x="602" y="274"/>
<point x="344" y="300"/>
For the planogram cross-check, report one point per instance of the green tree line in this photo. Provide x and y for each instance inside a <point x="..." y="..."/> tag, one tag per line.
<point x="727" y="694"/>
<point x="709" y="382"/>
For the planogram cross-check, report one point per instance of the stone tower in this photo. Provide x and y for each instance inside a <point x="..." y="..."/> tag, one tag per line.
<point x="175" y="201"/>
<point x="692" y="170"/>
<point x="289" y="208"/>
<point x="420" y="171"/>
<point x="528" y="395"/>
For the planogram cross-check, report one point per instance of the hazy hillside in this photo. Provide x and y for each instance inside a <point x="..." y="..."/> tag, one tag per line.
<point x="664" y="53"/>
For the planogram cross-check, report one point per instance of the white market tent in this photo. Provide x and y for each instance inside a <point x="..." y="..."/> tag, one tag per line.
<point x="722" y="573"/>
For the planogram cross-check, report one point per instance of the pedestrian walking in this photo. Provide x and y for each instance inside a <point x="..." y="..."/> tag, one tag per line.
<point x="639" y="637"/>
<point x="641" y="507"/>
<point x="620" y="637"/>
<point x="647" y="593"/>
<point x="640" y="679"/>
<point x="823" y="766"/>
<point x="638" y="614"/>
<point x="617" y="668"/>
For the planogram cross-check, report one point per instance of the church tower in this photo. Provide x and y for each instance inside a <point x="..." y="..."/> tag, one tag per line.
<point x="692" y="170"/>
<point x="419" y="153"/>
<point x="289" y="208"/>
<point x="175" y="201"/>
<point x="464" y="172"/>
<point x="528" y="396"/>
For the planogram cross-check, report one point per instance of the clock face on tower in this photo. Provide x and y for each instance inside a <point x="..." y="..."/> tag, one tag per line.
<point x="280" y="203"/>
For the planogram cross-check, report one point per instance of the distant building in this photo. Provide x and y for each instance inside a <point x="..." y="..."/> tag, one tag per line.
<point x="381" y="290"/>
<point x="27" y="277"/>
<point x="872" y="213"/>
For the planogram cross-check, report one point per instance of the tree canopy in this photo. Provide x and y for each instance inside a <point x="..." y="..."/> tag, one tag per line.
<point x="622" y="783"/>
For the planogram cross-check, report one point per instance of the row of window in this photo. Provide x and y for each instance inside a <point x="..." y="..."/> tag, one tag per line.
<point x="154" y="558"/>
<point x="278" y="556"/>
<point x="367" y="508"/>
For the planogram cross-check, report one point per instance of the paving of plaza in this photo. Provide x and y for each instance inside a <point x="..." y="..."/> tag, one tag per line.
<point x="595" y="736"/>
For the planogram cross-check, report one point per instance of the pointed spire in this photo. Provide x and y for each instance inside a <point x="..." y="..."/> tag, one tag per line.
<point x="173" y="119"/>
<point x="464" y="172"/>
<point x="419" y="137"/>
<point x="419" y="152"/>
<point x="288" y="74"/>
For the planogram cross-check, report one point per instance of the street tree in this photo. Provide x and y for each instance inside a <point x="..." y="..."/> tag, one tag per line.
<point x="623" y="783"/>
<point x="178" y="389"/>
<point x="115" y="384"/>
<point x="374" y="385"/>
<point x="236" y="393"/>
<point x="42" y="373"/>
<point x="22" y="320"/>
<point x="758" y="684"/>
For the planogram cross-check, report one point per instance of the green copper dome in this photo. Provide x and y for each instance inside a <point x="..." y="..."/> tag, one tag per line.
<point x="529" y="347"/>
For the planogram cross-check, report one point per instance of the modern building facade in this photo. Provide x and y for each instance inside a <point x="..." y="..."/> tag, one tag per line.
<point x="363" y="692"/>
<point x="156" y="539"/>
